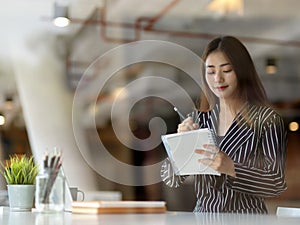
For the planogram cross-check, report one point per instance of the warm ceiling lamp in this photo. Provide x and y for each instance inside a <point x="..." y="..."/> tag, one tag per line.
<point x="2" y="119"/>
<point x="271" y="65"/>
<point x="9" y="102"/>
<point x="294" y="126"/>
<point x="227" y="6"/>
<point x="61" y="15"/>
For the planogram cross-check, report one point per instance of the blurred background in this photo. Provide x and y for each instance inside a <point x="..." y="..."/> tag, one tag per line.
<point x="42" y="65"/>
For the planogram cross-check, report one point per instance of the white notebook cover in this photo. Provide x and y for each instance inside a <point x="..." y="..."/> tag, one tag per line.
<point x="181" y="147"/>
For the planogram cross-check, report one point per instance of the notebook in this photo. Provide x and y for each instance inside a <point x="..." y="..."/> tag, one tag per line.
<point x="180" y="148"/>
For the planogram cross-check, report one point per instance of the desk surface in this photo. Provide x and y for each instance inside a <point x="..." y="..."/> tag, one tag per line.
<point x="172" y="218"/>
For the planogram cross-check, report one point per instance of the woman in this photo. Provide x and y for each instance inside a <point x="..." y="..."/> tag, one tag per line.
<point x="251" y="138"/>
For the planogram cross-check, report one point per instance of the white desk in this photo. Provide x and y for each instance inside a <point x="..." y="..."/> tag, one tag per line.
<point x="171" y="218"/>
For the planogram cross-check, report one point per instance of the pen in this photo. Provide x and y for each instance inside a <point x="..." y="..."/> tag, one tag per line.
<point x="46" y="160"/>
<point x="181" y="116"/>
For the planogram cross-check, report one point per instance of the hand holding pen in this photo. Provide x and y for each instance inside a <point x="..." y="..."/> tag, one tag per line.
<point x="188" y="123"/>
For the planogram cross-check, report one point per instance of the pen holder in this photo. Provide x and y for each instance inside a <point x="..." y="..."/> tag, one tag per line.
<point x="50" y="192"/>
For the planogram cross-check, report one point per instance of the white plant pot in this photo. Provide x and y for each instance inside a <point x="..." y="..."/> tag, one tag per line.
<point x="20" y="197"/>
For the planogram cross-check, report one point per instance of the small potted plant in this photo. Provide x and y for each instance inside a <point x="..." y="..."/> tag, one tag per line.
<point x="20" y="173"/>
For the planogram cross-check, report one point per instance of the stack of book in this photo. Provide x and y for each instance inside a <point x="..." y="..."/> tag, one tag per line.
<point x="100" y="207"/>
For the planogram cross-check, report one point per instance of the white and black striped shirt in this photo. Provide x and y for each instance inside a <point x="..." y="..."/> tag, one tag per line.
<point x="256" y="142"/>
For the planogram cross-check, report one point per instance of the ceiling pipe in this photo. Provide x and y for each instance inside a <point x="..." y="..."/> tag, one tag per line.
<point x="104" y="23"/>
<point x="138" y="27"/>
<point x="147" y="24"/>
<point x="153" y="20"/>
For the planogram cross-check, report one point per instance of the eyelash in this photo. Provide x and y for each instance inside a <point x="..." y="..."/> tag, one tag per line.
<point x="224" y="71"/>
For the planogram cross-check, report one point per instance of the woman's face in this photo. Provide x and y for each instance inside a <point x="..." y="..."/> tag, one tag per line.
<point x="220" y="76"/>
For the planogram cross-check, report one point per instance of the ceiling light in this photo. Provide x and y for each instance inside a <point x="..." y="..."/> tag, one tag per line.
<point x="2" y="119"/>
<point x="61" y="17"/>
<point x="9" y="102"/>
<point x="226" y="6"/>
<point x="293" y="126"/>
<point x="271" y="66"/>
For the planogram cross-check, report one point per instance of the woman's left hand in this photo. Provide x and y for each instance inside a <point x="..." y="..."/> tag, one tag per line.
<point x="216" y="159"/>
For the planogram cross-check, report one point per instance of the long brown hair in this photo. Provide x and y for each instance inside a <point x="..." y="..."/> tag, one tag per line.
<point x="250" y="88"/>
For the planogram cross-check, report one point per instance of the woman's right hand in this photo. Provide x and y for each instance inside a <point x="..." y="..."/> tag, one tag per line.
<point x="187" y="125"/>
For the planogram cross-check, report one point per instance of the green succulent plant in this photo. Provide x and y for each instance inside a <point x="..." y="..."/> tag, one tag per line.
<point x="20" y="170"/>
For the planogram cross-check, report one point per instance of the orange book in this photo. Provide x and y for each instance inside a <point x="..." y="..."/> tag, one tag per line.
<point x="99" y="207"/>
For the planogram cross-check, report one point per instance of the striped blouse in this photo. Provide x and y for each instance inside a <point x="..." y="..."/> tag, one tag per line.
<point x="256" y="142"/>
